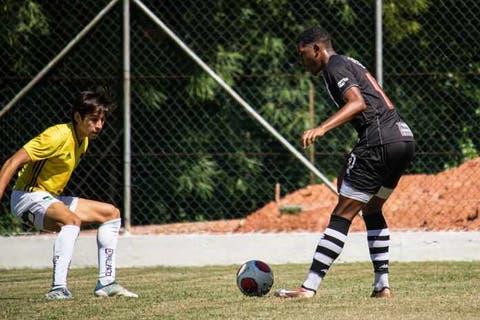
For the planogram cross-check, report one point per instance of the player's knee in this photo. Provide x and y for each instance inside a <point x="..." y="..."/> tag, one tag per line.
<point x="72" y="220"/>
<point x="107" y="213"/>
<point x="347" y="208"/>
<point x="116" y="213"/>
<point x="374" y="205"/>
<point x="113" y="213"/>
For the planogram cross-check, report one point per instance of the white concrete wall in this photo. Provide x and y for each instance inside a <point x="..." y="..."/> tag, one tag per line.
<point x="203" y="249"/>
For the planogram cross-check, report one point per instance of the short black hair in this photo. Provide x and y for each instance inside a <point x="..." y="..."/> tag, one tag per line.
<point x="88" y="102"/>
<point x="314" y="34"/>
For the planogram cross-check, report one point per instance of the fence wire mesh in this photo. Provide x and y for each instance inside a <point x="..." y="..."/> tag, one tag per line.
<point x="196" y="154"/>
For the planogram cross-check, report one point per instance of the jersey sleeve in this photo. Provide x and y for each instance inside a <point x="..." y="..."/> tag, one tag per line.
<point x="46" y="144"/>
<point x="340" y="75"/>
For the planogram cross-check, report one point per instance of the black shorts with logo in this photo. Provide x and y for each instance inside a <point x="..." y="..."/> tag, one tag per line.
<point x="369" y="168"/>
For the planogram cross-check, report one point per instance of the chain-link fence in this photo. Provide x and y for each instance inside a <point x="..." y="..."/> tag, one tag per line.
<point x="196" y="153"/>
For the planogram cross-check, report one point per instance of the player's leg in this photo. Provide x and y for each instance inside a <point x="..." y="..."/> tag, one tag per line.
<point x="108" y="216"/>
<point x="331" y="243"/>
<point x="328" y="249"/>
<point x="396" y="158"/>
<point x="42" y="210"/>
<point x="355" y="190"/>
<point x="60" y="216"/>
<point x="378" y="236"/>
<point x="356" y="187"/>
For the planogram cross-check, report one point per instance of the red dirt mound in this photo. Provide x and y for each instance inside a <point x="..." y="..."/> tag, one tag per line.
<point x="449" y="200"/>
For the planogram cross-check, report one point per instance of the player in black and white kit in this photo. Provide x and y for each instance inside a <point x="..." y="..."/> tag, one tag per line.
<point x="384" y="150"/>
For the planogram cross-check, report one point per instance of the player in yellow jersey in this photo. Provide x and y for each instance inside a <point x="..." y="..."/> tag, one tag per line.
<point x="47" y="162"/>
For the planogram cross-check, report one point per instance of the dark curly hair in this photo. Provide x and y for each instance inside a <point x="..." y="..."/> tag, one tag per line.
<point x="99" y="100"/>
<point x="314" y="34"/>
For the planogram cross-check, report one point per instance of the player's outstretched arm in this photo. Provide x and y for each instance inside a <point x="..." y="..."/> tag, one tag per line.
<point x="10" y="167"/>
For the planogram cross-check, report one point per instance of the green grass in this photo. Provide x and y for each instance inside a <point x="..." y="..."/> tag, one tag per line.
<point x="427" y="290"/>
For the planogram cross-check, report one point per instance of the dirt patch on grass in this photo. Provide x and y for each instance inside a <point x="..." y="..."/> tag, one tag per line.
<point x="449" y="200"/>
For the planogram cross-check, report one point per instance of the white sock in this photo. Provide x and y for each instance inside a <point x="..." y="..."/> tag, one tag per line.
<point x="313" y="281"/>
<point x="62" y="254"/>
<point x="381" y="281"/>
<point x="107" y="238"/>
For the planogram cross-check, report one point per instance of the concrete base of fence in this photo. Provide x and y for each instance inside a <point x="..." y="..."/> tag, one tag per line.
<point x="204" y="249"/>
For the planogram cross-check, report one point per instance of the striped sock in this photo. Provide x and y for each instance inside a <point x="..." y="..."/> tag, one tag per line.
<point x="329" y="248"/>
<point x="378" y="237"/>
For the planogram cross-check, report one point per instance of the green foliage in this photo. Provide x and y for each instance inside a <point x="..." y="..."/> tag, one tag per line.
<point x="21" y="22"/>
<point x="346" y="13"/>
<point x="198" y="178"/>
<point x="30" y="20"/>
<point x="203" y="88"/>
<point x="247" y="167"/>
<point x="152" y="96"/>
<point x="195" y="149"/>
<point x="269" y="54"/>
<point x="400" y="17"/>
<point x="9" y="225"/>
<point x="469" y="151"/>
<point x="228" y="64"/>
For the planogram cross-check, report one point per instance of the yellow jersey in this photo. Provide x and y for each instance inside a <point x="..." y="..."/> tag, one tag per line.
<point x="55" y="153"/>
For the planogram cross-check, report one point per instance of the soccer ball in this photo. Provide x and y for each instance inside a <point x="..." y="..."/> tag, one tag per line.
<point x="254" y="278"/>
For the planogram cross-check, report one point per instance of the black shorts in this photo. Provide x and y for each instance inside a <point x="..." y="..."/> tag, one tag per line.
<point x="369" y="168"/>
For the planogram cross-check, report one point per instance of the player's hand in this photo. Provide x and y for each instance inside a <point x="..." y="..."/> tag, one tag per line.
<point x="311" y="135"/>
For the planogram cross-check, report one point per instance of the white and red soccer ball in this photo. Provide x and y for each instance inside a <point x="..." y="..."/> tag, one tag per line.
<point x="255" y="278"/>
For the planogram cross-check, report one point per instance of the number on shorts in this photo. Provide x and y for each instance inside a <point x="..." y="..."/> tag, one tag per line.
<point x="351" y="163"/>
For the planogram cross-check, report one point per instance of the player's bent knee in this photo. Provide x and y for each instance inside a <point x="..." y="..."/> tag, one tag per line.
<point x="347" y="208"/>
<point x="72" y="220"/>
<point x="112" y="213"/>
<point x="374" y="205"/>
<point x="55" y="224"/>
<point x="76" y="220"/>
<point x="116" y="214"/>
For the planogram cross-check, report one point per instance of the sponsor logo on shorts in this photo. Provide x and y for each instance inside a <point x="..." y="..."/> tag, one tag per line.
<point x="47" y="198"/>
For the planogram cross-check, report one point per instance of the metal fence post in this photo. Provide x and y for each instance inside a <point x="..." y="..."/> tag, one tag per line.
<point x="126" y="116"/>
<point x="379" y="42"/>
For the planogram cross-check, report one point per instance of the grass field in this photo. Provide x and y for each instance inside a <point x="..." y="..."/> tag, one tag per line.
<point x="428" y="290"/>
